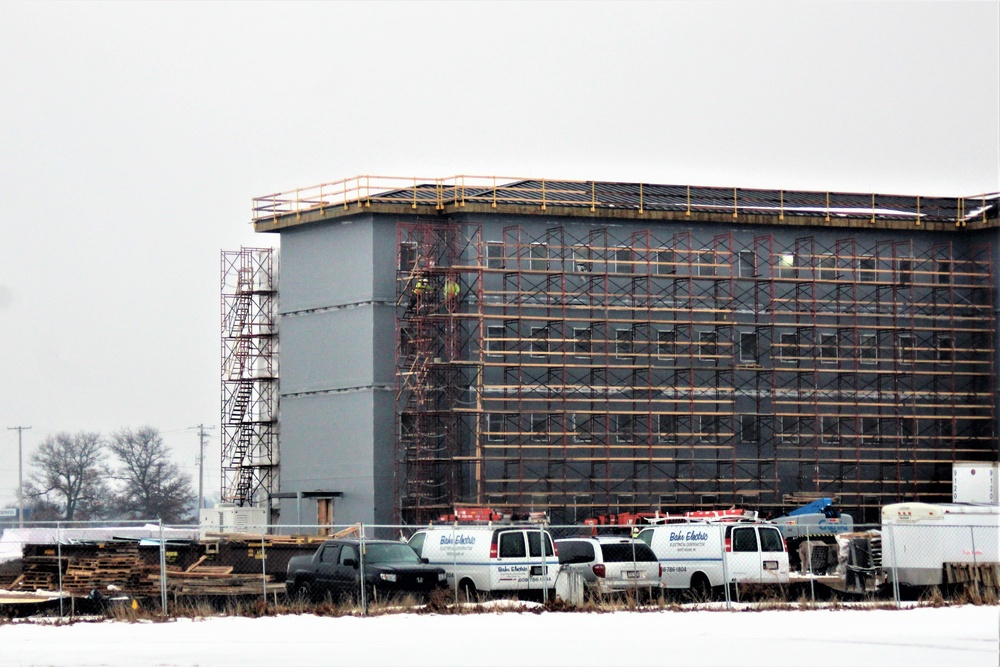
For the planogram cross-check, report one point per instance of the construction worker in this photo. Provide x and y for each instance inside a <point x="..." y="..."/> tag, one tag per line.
<point x="451" y="292"/>
<point x="421" y="288"/>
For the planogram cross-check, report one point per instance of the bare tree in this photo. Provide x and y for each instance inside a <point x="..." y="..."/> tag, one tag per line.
<point x="153" y="486"/>
<point x="70" y="478"/>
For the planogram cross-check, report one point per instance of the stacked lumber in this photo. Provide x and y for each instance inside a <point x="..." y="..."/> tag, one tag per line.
<point x="201" y="579"/>
<point x="118" y="565"/>
<point x="39" y="573"/>
<point x="987" y="574"/>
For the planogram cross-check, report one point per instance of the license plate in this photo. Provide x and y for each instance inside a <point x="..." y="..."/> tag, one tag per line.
<point x="770" y="565"/>
<point x="634" y="574"/>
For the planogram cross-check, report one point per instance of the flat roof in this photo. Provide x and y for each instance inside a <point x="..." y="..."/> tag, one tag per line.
<point x="606" y="199"/>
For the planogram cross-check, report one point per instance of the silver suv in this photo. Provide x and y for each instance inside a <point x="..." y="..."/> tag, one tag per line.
<point x="612" y="564"/>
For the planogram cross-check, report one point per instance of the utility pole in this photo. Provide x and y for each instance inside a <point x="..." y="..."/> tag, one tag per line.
<point x="201" y="466"/>
<point x="20" y="475"/>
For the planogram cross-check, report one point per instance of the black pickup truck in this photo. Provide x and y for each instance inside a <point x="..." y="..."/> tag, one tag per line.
<point x="334" y="571"/>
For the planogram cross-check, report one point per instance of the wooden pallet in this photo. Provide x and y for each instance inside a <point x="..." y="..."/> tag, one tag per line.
<point x="987" y="574"/>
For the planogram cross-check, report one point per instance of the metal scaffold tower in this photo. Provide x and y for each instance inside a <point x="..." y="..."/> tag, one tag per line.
<point x="249" y="375"/>
<point x="579" y="373"/>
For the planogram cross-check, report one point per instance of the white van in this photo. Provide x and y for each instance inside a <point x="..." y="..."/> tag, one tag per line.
<point x="490" y="558"/>
<point x="701" y="555"/>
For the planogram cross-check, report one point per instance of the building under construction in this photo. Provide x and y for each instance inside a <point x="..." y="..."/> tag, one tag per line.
<point x="594" y="347"/>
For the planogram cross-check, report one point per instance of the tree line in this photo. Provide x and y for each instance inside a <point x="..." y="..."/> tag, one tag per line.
<point x="128" y="475"/>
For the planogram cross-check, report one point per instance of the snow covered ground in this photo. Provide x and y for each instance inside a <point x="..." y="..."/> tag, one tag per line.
<point x="921" y="636"/>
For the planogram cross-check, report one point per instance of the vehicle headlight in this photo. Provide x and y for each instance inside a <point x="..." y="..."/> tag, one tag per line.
<point x="386" y="576"/>
<point x="442" y="576"/>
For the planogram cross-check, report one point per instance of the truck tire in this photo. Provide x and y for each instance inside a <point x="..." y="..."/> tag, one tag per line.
<point x="701" y="588"/>
<point x="303" y="592"/>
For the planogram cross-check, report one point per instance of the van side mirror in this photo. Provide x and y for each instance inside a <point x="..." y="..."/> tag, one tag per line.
<point x="424" y="561"/>
<point x="350" y="562"/>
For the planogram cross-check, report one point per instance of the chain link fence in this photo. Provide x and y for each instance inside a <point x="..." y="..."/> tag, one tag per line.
<point x="73" y="568"/>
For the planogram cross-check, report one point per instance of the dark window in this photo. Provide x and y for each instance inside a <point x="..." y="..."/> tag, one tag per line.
<point x="417" y="542"/>
<point x="946" y="348"/>
<point x="827" y="267"/>
<point x="627" y="553"/>
<point x="539" y="341"/>
<point x="512" y="545"/>
<point x="748" y="264"/>
<point x="749" y="428"/>
<point x="624" y="427"/>
<point x="709" y="425"/>
<point x="904" y="270"/>
<point x="790" y="427"/>
<point x="943" y="272"/>
<point x="575" y="551"/>
<point x="869" y="348"/>
<point x="789" y="347"/>
<point x="744" y="539"/>
<point x="494" y="256"/>
<point x="539" y="427"/>
<point x="748" y="347"/>
<point x="581" y="256"/>
<point x="348" y="553"/>
<point x="583" y="427"/>
<point x="582" y="341"/>
<point x="770" y="540"/>
<point x="828" y="347"/>
<point x="665" y="262"/>
<point x="706" y="263"/>
<point x="330" y="554"/>
<point x="666" y="341"/>
<point x="831" y="427"/>
<point x="906" y="351"/>
<point x="708" y="340"/>
<point x="539" y="257"/>
<point x="866" y="268"/>
<point x="407" y="426"/>
<point x="623" y="260"/>
<point x="494" y="426"/>
<point x="533" y="543"/>
<point x="667" y="427"/>
<point x="623" y="342"/>
<point x="494" y="339"/>
<point x="407" y="256"/>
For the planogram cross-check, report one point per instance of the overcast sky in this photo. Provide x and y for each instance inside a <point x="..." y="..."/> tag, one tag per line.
<point x="134" y="135"/>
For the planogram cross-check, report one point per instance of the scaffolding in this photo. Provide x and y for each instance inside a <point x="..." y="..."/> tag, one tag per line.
<point x="249" y="375"/>
<point x="577" y="371"/>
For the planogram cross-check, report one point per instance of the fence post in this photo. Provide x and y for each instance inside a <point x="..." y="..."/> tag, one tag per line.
<point x="809" y="570"/>
<point x="545" y="570"/>
<point x="895" y="564"/>
<point x="263" y="565"/>
<point x="454" y="560"/>
<point x="59" y="566"/>
<point x="725" y="568"/>
<point x="975" y="563"/>
<point x="163" y="571"/>
<point x="361" y="569"/>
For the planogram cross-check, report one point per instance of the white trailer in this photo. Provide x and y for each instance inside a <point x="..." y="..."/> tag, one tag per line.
<point x="920" y="541"/>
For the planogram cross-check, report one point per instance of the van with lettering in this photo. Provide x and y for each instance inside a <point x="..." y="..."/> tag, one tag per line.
<point x="700" y="556"/>
<point x="490" y="558"/>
